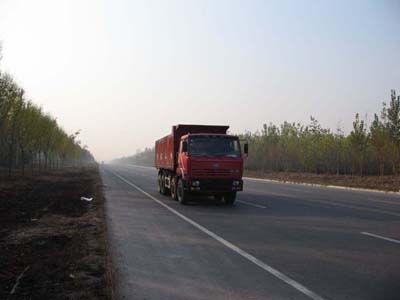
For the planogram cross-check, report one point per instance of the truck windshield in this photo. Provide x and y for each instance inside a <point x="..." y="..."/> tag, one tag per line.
<point x="214" y="146"/>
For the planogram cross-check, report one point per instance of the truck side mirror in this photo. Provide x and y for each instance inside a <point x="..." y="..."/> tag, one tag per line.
<point x="246" y="149"/>
<point x="184" y="147"/>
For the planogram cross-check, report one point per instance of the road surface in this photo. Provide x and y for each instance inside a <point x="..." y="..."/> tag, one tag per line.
<point x="279" y="241"/>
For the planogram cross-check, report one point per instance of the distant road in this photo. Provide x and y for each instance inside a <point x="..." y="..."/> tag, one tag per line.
<point x="279" y="241"/>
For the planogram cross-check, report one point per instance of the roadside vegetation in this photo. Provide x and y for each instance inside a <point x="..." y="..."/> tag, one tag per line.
<point x="368" y="157"/>
<point x="32" y="138"/>
<point x="293" y="147"/>
<point x="52" y="241"/>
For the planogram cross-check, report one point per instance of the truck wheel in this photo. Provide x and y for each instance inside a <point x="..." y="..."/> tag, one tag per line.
<point x="159" y="179"/>
<point x="174" y="195"/>
<point x="162" y="188"/>
<point x="230" y="198"/>
<point x="181" y="194"/>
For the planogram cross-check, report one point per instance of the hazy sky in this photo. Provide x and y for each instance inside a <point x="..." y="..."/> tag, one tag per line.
<point x="125" y="71"/>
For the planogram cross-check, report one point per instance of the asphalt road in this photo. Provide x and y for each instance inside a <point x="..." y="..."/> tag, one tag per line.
<point x="279" y="241"/>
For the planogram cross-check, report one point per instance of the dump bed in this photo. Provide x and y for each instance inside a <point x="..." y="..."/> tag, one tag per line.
<point x="167" y="147"/>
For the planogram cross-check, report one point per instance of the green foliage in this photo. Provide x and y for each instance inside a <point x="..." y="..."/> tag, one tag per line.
<point x="298" y="148"/>
<point x="379" y="139"/>
<point x="358" y="141"/>
<point x="393" y="117"/>
<point x="30" y="137"/>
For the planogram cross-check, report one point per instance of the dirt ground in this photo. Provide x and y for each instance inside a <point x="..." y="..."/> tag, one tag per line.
<point x="52" y="243"/>
<point x="384" y="183"/>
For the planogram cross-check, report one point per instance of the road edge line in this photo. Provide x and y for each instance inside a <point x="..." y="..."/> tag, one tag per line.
<point x="329" y="186"/>
<point x="380" y="237"/>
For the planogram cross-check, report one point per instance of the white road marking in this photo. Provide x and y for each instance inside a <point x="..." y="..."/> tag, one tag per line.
<point x="381" y="237"/>
<point x="251" y="204"/>
<point x="322" y="185"/>
<point x="375" y="210"/>
<point x="339" y="204"/>
<point x="301" y="288"/>
<point x="310" y="191"/>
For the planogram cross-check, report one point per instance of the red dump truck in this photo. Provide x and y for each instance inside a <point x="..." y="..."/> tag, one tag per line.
<point x="200" y="159"/>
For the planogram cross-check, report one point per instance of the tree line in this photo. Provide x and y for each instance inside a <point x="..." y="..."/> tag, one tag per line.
<point x="369" y="149"/>
<point x="293" y="147"/>
<point x="30" y="137"/>
<point x="141" y="158"/>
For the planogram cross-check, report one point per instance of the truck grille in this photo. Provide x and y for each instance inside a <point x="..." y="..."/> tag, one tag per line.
<point x="210" y="172"/>
<point x="216" y="184"/>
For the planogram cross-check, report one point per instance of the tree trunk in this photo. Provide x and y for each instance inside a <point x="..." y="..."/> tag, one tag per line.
<point x="23" y="160"/>
<point x="39" y="162"/>
<point x="10" y="158"/>
<point x="32" y="163"/>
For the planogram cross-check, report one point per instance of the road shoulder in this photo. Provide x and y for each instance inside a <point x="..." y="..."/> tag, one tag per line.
<point x="53" y="244"/>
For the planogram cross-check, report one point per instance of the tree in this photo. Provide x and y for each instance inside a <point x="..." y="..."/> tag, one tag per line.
<point x="393" y="117"/>
<point x="379" y="141"/>
<point x="27" y="135"/>
<point x="358" y="140"/>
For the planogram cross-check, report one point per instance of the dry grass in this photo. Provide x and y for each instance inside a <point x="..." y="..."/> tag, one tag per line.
<point x="58" y="237"/>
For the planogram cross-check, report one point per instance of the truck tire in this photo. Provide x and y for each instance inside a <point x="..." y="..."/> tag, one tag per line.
<point x="230" y="198"/>
<point x="174" y="195"/>
<point x="159" y="179"/>
<point x="163" y="190"/>
<point x="182" y="195"/>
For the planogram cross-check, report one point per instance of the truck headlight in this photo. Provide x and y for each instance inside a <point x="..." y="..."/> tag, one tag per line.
<point x="236" y="183"/>
<point x="195" y="183"/>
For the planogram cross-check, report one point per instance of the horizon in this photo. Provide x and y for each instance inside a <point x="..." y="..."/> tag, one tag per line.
<point x="131" y="70"/>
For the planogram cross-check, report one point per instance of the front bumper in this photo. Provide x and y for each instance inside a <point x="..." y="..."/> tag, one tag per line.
<point x="210" y="186"/>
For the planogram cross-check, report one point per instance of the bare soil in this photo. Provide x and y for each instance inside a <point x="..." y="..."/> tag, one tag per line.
<point x="383" y="183"/>
<point x="52" y="243"/>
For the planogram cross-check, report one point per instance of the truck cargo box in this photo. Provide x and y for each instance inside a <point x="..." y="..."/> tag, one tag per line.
<point x="167" y="147"/>
<point x="164" y="152"/>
